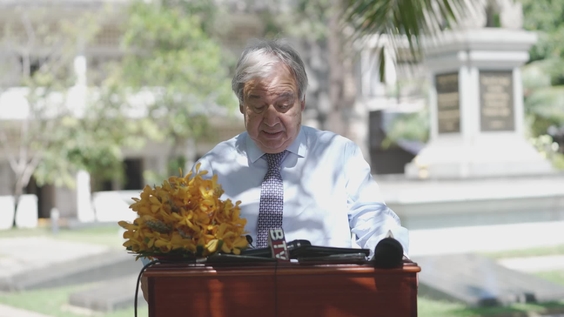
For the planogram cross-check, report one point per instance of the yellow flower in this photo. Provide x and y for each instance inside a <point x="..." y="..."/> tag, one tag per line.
<point x="185" y="215"/>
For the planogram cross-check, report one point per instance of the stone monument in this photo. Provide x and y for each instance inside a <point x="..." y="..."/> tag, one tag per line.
<point x="479" y="185"/>
<point x="478" y="168"/>
<point x="476" y="102"/>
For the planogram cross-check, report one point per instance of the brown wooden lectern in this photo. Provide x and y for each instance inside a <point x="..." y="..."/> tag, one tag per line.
<point x="281" y="290"/>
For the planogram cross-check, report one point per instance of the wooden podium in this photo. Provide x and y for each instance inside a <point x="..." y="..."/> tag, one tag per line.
<point x="281" y="289"/>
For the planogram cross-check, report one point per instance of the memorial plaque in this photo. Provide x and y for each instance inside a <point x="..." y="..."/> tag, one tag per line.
<point x="496" y="101"/>
<point x="448" y="103"/>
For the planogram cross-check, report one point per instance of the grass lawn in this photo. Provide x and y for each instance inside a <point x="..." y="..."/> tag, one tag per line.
<point x="54" y="302"/>
<point x="554" y="276"/>
<point x="435" y="308"/>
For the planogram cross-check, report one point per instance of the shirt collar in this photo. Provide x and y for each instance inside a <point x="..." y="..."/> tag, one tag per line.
<point x="297" y="147"/>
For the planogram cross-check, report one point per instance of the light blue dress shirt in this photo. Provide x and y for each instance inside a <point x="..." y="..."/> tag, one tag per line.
<point x="330" y="196"/>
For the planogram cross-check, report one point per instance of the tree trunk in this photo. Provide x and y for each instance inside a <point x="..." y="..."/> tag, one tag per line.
<point x="18" y="192"/>
<point x="341" y="79"/>
<point x="336" y="80"/>
<point x="23" y="176"/>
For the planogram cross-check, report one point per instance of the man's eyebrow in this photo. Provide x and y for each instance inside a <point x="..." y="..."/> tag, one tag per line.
<point x="286" y="94"/>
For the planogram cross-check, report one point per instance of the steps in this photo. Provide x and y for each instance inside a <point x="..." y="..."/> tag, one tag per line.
<point x="86" y="269"/>
<point x="109" y="295"/>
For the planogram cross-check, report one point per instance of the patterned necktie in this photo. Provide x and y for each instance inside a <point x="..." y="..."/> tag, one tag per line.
<point x="271" y="204"/>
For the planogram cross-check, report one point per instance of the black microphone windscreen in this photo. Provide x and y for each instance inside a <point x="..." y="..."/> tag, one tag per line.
<point x="388" y="254"/>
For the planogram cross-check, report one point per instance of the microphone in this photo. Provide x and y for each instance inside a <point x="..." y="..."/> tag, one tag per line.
<point x="278" y="247"/>
<point x="388" y="254"/>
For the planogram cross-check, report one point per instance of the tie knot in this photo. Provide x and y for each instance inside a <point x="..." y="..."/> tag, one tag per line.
<point x="274" y="160"/>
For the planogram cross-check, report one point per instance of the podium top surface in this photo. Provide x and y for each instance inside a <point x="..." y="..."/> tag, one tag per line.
<point x="269" y="268"/>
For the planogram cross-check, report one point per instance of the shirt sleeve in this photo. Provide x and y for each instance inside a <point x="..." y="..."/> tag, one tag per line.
<point x="370" y="218"/>
<point x="204" y="165"/>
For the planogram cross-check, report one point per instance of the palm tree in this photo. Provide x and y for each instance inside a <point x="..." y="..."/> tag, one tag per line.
<point x="354" y="22"/>
<point x="410" y="20"/>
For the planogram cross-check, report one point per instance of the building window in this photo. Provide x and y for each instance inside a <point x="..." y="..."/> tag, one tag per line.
<point x="133" y="174"/>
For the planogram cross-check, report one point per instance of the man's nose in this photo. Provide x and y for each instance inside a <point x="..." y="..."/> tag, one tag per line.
<point x="271" y="116"/>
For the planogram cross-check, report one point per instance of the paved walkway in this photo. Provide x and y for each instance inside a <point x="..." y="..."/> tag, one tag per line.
<point x="486" y="238"/>
<point x="398" y="189"/>
<point x="7" y="311"/>
<point x="535" y="264"/>
<point x="26" y="253"/>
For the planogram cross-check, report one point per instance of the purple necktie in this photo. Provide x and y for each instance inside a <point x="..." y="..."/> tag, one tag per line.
<point x="271" y="204"/>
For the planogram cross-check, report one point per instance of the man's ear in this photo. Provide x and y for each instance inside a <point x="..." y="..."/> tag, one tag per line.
<point x="303" y="104"/>
<point x="241" y="107"/>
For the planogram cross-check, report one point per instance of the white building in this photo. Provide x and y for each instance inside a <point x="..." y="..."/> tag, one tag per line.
<point x="27" y="23"/>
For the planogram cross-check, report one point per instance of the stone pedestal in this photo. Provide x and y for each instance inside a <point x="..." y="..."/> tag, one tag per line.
<point x="476" y="102"/>
<point x="7" y="212"/>
<point x="26" y="211"/>
<point x="85" y="211"/>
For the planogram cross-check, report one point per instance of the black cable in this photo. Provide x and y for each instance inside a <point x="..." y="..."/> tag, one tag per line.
<point x="139" y="280"/>
<point x="250" y="241"/>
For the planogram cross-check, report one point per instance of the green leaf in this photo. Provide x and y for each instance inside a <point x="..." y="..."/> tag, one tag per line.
<point x="404" y="19"/>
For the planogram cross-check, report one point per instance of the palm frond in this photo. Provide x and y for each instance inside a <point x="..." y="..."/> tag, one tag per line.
<point x="407" y="19"/>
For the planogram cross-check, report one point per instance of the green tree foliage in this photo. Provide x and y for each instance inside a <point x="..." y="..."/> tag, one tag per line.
<point x="46" y="76"/>
<point x="305" y="19"/>
<point x="93" y="142"/>
<point x="92" y="135"/>
<point x="547" y="18"/>
<point x="543" y="77"/>
<point x="56" y="132"/>
<point x="178" y="70"/>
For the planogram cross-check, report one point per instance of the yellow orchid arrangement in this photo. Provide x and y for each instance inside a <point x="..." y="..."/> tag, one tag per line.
<point x="185" y="217"/>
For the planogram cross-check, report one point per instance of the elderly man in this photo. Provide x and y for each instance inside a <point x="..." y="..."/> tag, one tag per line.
<point x="314" y="184"/>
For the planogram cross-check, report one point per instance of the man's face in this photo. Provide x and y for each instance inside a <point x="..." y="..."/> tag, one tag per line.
<point x="272" y="110"/>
